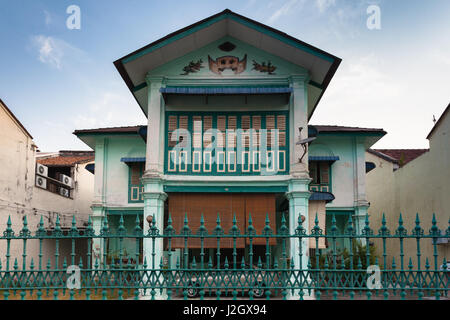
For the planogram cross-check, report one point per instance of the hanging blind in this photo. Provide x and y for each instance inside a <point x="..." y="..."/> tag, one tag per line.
<point x="194" y="204"/>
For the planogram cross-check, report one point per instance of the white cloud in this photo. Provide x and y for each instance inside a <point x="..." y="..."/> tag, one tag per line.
<point x="323" y="5"/>
<point x="54" y="51"/>
<point x="49" y="52"/>
<point x="285" y="9"/>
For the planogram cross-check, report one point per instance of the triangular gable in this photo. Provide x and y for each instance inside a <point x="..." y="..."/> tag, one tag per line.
<point x="321" y="65"/>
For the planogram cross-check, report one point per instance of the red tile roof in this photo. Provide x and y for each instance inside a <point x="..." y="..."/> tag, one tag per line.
<point x="67" y="159"/>
<point x="403" y="156"/>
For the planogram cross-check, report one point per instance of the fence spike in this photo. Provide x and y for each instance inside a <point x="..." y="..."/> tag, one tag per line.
<point x="333" y="224"/>
<point x="121" y="227"/>
<point x="65" y="263"/>
<point x="210" y="264"/>
<point x="434" y="231"/>
<point x="410" y="263"/>
<point x="80" y="264"/>
<point x="250" y="229"/>
<point x="393" y="263"/>
<point x="194" y="264"/>
<point x="242" y="263"/>
<point x="31" y="264"/>
<point x="226" y="263"/>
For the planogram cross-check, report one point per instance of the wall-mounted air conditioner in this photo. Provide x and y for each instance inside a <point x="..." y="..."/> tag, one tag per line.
<point x="66" y="180"/>
<point x="64" y="192"/>
<point x="41" y="170"/>
<point x="41" y="182"/>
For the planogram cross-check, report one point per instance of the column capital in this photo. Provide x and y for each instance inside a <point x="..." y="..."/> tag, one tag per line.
<point x="296" y="79"/>
<point x="154" y="80"/>
<point x="161" y="196"/>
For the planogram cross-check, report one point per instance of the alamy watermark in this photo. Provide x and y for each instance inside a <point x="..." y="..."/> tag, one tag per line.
<point x="374" y="19"/>
<point x="74" y="19"/>
<point x="374" y="280"/>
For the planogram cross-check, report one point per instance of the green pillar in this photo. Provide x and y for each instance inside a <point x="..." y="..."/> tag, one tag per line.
<point x="154" y="198"/>
<point x="298" y="196"/>
<point x="98" y="213"/>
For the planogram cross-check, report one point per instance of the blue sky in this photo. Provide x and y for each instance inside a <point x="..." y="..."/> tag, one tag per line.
<point x="57" y="80"/>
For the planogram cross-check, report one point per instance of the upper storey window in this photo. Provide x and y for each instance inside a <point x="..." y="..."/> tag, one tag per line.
<point x="227" y="143"/>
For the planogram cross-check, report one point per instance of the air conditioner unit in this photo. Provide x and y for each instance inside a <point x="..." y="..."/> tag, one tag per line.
<point x="66" y="180"/>
<point x="64" y="192"/>
<point x="41" y="182"/>
<point x="41" y="170"/>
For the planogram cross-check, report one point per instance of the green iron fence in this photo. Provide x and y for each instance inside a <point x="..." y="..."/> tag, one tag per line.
<point x="353" y="273"/>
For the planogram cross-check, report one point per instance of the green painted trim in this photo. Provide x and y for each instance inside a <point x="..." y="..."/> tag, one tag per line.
<point x="340" y="212"/>
<point x="174" y="38"/>
<point x="341" y="208"/>
<point x="87" y="134"/>
<point x="315" y="84"/>
<point x="139" y="87"/>
<point x="229" y="189"/>
<point x="140" y="186"/>
<point x="125" y="212"/>
<point x="283" y="39"/>
<point x="237" y="19"/>
<point x="365" y="134"/>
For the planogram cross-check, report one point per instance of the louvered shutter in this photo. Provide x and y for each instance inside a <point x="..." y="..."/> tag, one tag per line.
<point x="232" y="124"/>
<point x="324" y="173"/>
<point x="256" y="125"/>
<point x="207" y="136"/>
<point x="245" y="126"/>
<point x="197" y="135"/>
<point x="270" y="125"/>
<point x="221" y="128"/>
<point x="281" y="126"/>
<point x="172" y="127"/>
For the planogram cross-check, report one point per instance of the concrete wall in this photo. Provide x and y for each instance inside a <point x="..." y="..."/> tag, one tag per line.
<point x="19" y="197"/>
<point x="421" y="186"/>
<point x="348" y="186"/>
<point x="112" y="175"/>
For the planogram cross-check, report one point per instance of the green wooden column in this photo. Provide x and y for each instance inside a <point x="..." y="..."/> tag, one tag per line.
<point x="298" y="196"/>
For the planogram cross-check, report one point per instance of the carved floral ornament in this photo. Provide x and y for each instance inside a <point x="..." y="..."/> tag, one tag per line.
<point x="228" y="62"/>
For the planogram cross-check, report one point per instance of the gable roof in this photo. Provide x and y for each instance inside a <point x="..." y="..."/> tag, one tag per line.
<point x="134" y="66"/>
<point x="401" y="156"/>
<point x="15" y="119"/>
<point x="439" y="121"/>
